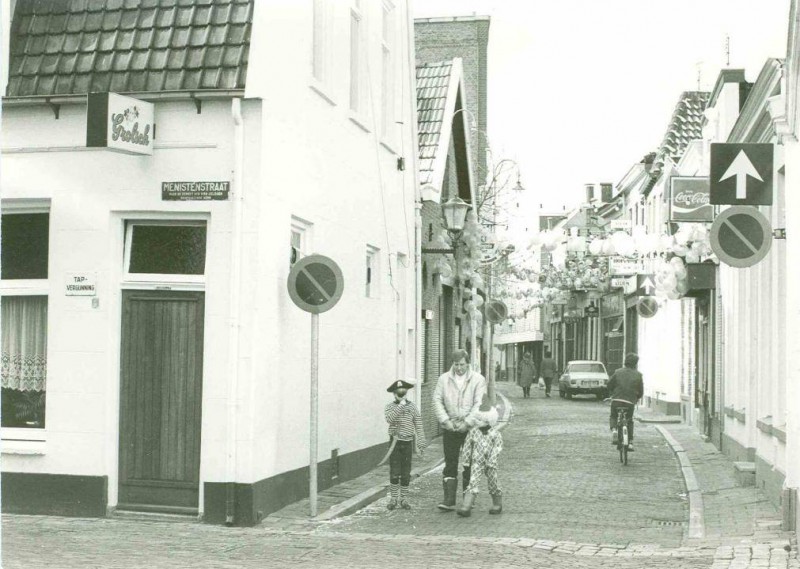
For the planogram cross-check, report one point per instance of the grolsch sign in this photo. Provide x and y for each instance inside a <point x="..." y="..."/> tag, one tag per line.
<point x="690" y="199"/>
<point x="119" y="123"/>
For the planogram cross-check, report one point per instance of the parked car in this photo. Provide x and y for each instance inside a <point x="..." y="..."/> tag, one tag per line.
<point x="583" y="377"/>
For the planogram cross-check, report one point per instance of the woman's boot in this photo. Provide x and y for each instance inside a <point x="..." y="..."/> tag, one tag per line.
<point x="497" y="504"/>
<point x="466" y="508"/>
<point x="449" y="485"/>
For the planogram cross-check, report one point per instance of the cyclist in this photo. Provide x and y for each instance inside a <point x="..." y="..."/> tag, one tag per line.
<point x="625" y="388"/>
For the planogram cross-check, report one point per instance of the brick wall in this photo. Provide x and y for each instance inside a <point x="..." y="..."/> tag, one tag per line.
<point x="436" y="40"/>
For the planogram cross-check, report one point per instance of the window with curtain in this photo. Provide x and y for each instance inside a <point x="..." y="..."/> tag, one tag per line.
<point x="23" y="318"/>
<point x="24" y="360"/>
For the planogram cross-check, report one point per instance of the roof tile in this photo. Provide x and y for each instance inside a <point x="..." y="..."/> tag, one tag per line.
<point x="54" y="44"/>
<point x="119" y="82"/>
<point x="158" y="59"/>
<point x="240" y="13"/>
<point x="122" y="60"/>
<point x="71" y="44"/>
<point x="100" y="82"/>
<point x="199" y="36"/>
<point x="147" y="18"/>
<point x="184" y="16"/>
<point x="125" y="40"/>
<point x="174" y="80"/>
<point x="137" y="81"/>
<point x="129" y="19"/>
<point x="202" y="16"/>
<point x="85" y="62"/>
<point x="213" y="56"/>
<point x="81" y="84"/>
<point x="63" y="84"/>
<point x="232" y="56"/>
<point x="36" y="45"/>
<point x="221" y="14"/>
<point x="89" y="42"/>
<point x="139" y="60"/>
<point x="57" y="24"/>
<point x="94" y="21"/>
<point x="107" y="41"/>
<point x="217" y="34"/>
<point x="155" y="81"/>
<point x="228" y="79"/>
<point x="176" y="58"/>
<point x="47" y="83"/>
<point x="166" y="17"/>
<point x="67" y="63"/>
<point x="31" y="65"/>
<point x="111" y="20"/>
<point x="210" y="78"/>
<point x="195" y="58"/>
<point x="191" y="79"/>
<point x="161" y="37"/>
<point x="180" y="37"/>
<point x="143" y="39"/>
<point x="103" y="61"/>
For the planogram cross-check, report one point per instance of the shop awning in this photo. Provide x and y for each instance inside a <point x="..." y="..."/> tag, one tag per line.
<point x="518" y="337"/>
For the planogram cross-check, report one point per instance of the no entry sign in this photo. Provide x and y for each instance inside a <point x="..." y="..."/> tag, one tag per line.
<point x="647" y="307"/>
<point x="496" y="311"/>
<point x="741" y="236"/>
<point x="315" y="283"/>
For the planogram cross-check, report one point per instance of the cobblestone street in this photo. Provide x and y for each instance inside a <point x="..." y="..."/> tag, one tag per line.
<point x="568" y="503"/>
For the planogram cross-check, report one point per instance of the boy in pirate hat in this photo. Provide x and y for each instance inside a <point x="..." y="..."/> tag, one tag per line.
<point x="406" y="435"/>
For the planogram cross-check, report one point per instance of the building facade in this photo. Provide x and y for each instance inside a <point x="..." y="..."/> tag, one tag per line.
<point x="153" y="359"/>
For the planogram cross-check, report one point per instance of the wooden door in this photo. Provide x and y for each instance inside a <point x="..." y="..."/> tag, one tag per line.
<point x="160" y="400"/>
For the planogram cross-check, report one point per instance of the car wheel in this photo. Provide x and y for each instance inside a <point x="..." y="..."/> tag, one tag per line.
<point x="599" y="396"/>
<point x="568" y="394"/>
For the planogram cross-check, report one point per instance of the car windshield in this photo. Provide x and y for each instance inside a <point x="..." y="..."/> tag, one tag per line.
<point x="587" y="367"/>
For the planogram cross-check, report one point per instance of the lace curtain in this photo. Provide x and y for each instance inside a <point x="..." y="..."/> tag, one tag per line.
<point x="24" y="342"/>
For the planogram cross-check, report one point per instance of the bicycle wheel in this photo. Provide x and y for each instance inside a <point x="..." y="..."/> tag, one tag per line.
<point x="620" y="446"/>
<point x="624" y="445"/>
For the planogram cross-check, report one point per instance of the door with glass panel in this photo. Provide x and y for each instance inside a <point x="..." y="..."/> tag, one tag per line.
<point x="161" y="368"/>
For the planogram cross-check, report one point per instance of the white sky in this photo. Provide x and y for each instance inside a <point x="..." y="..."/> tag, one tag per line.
<point x="579" y="90"/>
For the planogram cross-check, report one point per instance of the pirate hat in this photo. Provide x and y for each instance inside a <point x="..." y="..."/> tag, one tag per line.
<point x="398" y="384"/>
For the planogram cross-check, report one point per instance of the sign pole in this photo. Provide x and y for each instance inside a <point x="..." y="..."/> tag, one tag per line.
<point x="490" y="365"/>
<point x="312" y="479"/>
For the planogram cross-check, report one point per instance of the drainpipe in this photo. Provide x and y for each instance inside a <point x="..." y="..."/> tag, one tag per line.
<point x="235" y="307"/>
<point x="412" y="163"/>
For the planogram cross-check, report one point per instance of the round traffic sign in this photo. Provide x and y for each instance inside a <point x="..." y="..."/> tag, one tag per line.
<point x="741" y="236"/>
<point x="496" y="311"/>
<point x="315" y="283"/>
<point x="647" y="307"/>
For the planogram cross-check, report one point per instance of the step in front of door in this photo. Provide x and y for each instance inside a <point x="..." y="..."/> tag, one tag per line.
<point x="156" y="512"/>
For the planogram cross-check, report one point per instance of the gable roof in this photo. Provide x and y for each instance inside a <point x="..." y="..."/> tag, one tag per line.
<point x="685" y="125"/>
<point x="438" y="88"/>
<point x="63" y="47"/>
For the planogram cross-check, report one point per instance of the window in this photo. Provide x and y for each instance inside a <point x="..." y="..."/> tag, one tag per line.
<point x="587" y="368"/>
<point x="23" y="316"/>
<point x="321" y="63"/>
<point x="387" y="79"/>
<point x="165" y="250"/>
<point x="372" y="272"/>
<point x="299" y="239"/>
<point x="356" y="41"/>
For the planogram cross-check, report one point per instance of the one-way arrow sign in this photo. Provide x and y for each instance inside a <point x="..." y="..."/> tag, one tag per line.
<point x="741" y="167"/>
<point x="741" y="174"/>
<point x="645" y="285"/>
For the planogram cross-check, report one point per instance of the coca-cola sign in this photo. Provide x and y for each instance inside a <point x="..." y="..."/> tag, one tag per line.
<point x="119" y="123"/>
<point x="690" y="199"/>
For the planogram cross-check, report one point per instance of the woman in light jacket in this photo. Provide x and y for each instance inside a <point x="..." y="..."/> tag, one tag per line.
<point x="456" y="399"/>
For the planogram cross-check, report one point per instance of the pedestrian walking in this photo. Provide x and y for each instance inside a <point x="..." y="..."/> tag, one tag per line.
<point x="456" y="399"/>
<point x="481" y="452"/>
<point x="405" y="434"/>
<point x="625" y="388"/>
<point x="548" y="369"/>
<point x="527" y="374"/>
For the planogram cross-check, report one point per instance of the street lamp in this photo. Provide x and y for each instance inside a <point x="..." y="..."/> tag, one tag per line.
<point x="455" y="215"/>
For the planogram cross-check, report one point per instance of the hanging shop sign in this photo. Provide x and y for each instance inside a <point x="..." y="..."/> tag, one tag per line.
<point x="80" y="284"/>
<point x="741" y="174"/>
<point x="690" y="199"/>
<point x="620" y="266"/>
<point x="620" y="225"/>
<point x="194" y="191"/>
<point x="119" y="123"/>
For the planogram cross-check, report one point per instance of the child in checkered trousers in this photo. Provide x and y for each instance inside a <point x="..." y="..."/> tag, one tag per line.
<point x="407" y="435"/>
<point x="480" y="452"/>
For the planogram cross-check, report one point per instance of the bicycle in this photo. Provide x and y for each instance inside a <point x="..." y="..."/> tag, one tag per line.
<point x="622" y="431"/>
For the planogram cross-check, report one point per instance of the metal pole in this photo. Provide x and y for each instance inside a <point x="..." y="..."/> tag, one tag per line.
<point x="490" y="364"/>
<point x="312" y="478"/>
